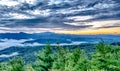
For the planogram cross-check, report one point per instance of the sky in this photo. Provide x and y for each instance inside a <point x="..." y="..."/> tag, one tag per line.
<point x="60" y="16"/>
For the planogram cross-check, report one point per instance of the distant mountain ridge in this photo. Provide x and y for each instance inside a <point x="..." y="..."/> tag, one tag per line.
<point x="51" y="37"/>
<point x="25" y="44"/>
<point x="22" y="35"/>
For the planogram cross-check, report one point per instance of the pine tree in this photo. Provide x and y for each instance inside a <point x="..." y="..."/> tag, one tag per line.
<point x="30" y="68"/>
<point x="105" y="58"/>
<point x="17" y="64"/>
<point x="45" y="59"/>
<point x="60" y="58"/>
<point x="4" y="66"/>
<point x="78" y="61"/>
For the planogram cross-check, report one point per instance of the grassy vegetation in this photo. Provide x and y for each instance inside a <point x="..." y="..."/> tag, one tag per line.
<point x="106" y="58"/>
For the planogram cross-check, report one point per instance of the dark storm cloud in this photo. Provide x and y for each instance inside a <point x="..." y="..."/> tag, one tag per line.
<point x="44" y="22"/>
<point x="58" y="12"/>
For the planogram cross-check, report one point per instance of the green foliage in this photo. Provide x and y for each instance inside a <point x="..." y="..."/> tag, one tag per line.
<point x="29" y="68"/>
<point x="4" y="67"/>
<point x="17" y="64"/>
<point x="70" y="60"/>
<point x="44" y="59"/>
<point x="103" y="48"/>
<point x="59" y="61"/>
<point x="106" y="58"/>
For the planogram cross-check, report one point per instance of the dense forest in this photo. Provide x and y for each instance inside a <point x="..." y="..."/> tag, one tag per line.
<point x="105" y="58"/>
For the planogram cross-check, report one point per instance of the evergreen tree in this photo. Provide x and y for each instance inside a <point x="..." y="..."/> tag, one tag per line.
<point x="45" y="59"/>
<point x="72" y="59"/>
<point x="60" y="58"/>
<point x="17" y="64"/>
<point x="29" y="68"/>
<point x="4" y="66"/>
<point x="104" y="58"/>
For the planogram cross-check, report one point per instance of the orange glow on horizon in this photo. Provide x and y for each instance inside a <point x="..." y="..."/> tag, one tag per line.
<point x="94" y="31"/>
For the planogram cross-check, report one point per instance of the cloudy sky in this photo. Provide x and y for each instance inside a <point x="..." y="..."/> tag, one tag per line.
<point x="60" y="16"/>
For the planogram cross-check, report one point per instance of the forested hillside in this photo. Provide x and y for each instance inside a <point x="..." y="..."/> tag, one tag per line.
<point x="105" y="58"/>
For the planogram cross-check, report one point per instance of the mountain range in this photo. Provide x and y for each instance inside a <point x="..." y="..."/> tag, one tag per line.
<point x="50" y="37"/>
<point x="24" y="44"/>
